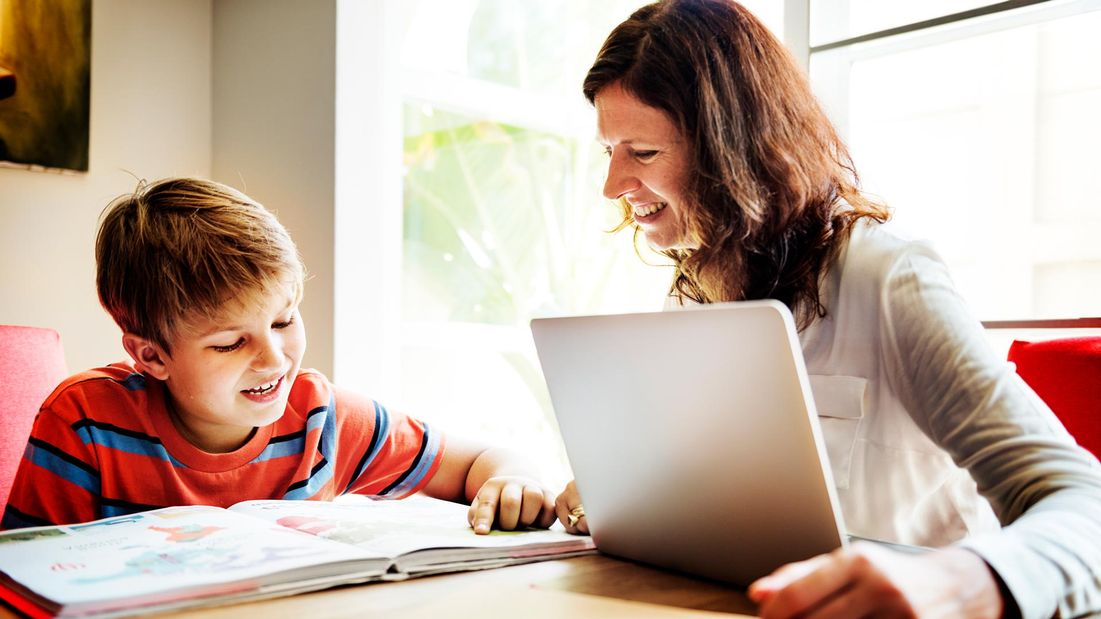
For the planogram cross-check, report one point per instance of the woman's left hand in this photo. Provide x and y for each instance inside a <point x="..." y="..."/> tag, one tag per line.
<point x="570" y="511"/>
<point x="866" y="580"/>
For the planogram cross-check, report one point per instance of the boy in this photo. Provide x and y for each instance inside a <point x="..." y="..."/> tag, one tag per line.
<point x="214" y="409"/>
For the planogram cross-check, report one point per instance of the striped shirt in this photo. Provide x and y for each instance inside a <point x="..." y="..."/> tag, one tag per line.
<point x="103" y="445"/>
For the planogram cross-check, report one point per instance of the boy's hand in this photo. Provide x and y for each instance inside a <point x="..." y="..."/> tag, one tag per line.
<point x="498" y="483"/>
<point x="570" y="512"/>
<point x="511" y="502"/>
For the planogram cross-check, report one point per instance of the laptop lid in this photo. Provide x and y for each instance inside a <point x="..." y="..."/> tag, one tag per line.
<point x="693" y="437"/>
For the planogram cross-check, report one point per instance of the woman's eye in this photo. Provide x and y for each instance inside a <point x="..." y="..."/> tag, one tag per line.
<point x="283" y="324"/>
<point x="645" y="154"/>
<point x="232" y="347"/>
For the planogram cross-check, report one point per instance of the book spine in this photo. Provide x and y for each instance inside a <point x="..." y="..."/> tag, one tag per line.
<point x="23" y="605"/>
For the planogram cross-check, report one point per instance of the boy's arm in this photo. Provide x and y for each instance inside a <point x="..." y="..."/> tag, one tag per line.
<point x="57" y="481"/>
<point x="499" y="485"/>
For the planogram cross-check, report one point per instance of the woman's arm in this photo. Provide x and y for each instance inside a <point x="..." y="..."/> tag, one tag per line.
<point x="1045" y="490"/>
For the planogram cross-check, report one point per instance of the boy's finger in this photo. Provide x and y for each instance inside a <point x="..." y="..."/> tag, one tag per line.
<point x="512" y="496"/>
<point x="485" y="507"/>
<point x="532" y="506"/>
<point x="547" y="512"/>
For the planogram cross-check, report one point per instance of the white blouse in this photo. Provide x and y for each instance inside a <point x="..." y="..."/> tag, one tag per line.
<point x="933" y="438"/>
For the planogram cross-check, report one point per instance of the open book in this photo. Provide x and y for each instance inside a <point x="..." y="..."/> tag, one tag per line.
<point x="180" y="557"/>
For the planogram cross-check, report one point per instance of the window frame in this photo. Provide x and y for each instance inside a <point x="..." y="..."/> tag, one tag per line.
<point x="829" y="65"/>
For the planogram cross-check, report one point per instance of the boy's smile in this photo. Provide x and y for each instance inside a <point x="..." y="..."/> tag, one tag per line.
<point x="264" y="393"/>
<point x="231" y="374"/>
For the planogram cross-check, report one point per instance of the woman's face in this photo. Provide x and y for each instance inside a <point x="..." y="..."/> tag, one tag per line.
<point x="648" y="165"/>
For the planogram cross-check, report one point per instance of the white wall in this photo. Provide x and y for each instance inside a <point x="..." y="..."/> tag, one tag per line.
<point x="274" y="130"/>
<point x="240" y="91"/>
<point x="150" y="117"/>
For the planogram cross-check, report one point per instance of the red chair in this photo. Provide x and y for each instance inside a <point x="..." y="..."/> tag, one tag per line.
<point x="32" y="363"/>
<point x="1066" y="374"/>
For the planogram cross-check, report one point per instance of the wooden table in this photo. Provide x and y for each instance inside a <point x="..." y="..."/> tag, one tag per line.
<point x="588" y="586"/>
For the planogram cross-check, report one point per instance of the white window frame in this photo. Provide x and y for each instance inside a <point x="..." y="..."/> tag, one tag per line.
<point x="829" y="65"/>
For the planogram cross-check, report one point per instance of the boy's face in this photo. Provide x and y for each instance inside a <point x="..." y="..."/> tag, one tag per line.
<point x="232" y="374"/>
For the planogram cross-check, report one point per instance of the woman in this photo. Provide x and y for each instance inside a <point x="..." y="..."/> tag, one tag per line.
<point x="722" y="159"/>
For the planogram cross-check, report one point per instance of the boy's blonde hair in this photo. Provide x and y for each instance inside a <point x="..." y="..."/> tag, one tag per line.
<point x="181" y="248"/>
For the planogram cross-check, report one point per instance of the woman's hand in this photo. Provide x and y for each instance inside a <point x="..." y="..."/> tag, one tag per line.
<point x="866" y="580"/>
<point x="511" y="502"/>
<point x="569" y="510"/>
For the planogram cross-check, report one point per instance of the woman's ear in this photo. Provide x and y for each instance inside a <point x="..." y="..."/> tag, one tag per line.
<point x="148" y="357"/>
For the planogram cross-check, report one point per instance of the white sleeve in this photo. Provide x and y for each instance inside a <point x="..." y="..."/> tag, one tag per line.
<point x="1045" y="490"/>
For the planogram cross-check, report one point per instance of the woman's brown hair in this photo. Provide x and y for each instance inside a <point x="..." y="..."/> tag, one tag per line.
<point x="774" y="194"/>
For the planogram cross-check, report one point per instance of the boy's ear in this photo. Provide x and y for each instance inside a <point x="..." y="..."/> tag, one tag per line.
<point x="147" y="356"/>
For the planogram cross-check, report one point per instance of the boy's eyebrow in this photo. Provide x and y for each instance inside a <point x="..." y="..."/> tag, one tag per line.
<point x="220" y="328"/>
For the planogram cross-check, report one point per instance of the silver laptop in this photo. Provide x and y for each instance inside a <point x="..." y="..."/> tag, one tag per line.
<point x="693" y="437"/>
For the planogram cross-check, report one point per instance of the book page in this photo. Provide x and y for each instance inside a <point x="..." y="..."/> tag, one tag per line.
<point x="397" y="527"/>
<point x="176" y="552"/>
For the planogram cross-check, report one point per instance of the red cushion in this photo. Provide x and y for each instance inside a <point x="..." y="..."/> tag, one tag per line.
<point x="32" y="363"/>
<point x="1066" y="374"/>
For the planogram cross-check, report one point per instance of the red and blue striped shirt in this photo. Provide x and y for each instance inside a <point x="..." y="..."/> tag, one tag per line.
<point x="103" y="445"/>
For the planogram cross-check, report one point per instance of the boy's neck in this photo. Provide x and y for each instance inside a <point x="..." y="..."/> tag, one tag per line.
<point x="209" y="444"/>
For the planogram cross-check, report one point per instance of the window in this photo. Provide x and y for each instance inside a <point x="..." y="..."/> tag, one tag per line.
<point x="835" y="20"/>
<point x="476" y="204"/>
<point x="503" y="219"/>
<point x="467" y="149"/>
<point x="981" y="134"/>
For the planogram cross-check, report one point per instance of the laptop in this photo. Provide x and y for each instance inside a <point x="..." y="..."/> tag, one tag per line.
<point x="693" y="437"/>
